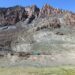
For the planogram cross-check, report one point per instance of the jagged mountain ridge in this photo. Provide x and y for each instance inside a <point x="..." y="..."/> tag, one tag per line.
<point x="12" y="15"/>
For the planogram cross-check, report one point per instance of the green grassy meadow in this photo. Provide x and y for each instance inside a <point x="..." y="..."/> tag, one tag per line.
<point x="37" y="71"/>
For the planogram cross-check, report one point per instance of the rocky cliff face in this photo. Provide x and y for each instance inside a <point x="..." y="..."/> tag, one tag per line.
<point x="30" y="29"/>
<point x="12" y="15"/>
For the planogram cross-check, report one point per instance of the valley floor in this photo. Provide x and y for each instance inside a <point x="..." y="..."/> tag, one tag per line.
<point x="38" y="71"/>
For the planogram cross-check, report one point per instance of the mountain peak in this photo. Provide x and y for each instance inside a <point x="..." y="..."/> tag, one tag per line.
<point x="47" y="6"/>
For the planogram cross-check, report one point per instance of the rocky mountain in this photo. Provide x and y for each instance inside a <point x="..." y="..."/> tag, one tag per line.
<point x="38" y="31"/>
<point x="12" y="15"/>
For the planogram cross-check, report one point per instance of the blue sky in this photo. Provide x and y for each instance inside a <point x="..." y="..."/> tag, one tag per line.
<point x="62" y="4"/>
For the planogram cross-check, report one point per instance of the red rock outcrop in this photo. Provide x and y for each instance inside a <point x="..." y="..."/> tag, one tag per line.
<point x="12" y="15"/>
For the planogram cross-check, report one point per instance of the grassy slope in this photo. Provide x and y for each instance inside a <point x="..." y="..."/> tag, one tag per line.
<point x="38" y="71"/>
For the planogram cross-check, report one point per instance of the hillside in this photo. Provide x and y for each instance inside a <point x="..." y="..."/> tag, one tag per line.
<point x="32" y="31"/>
